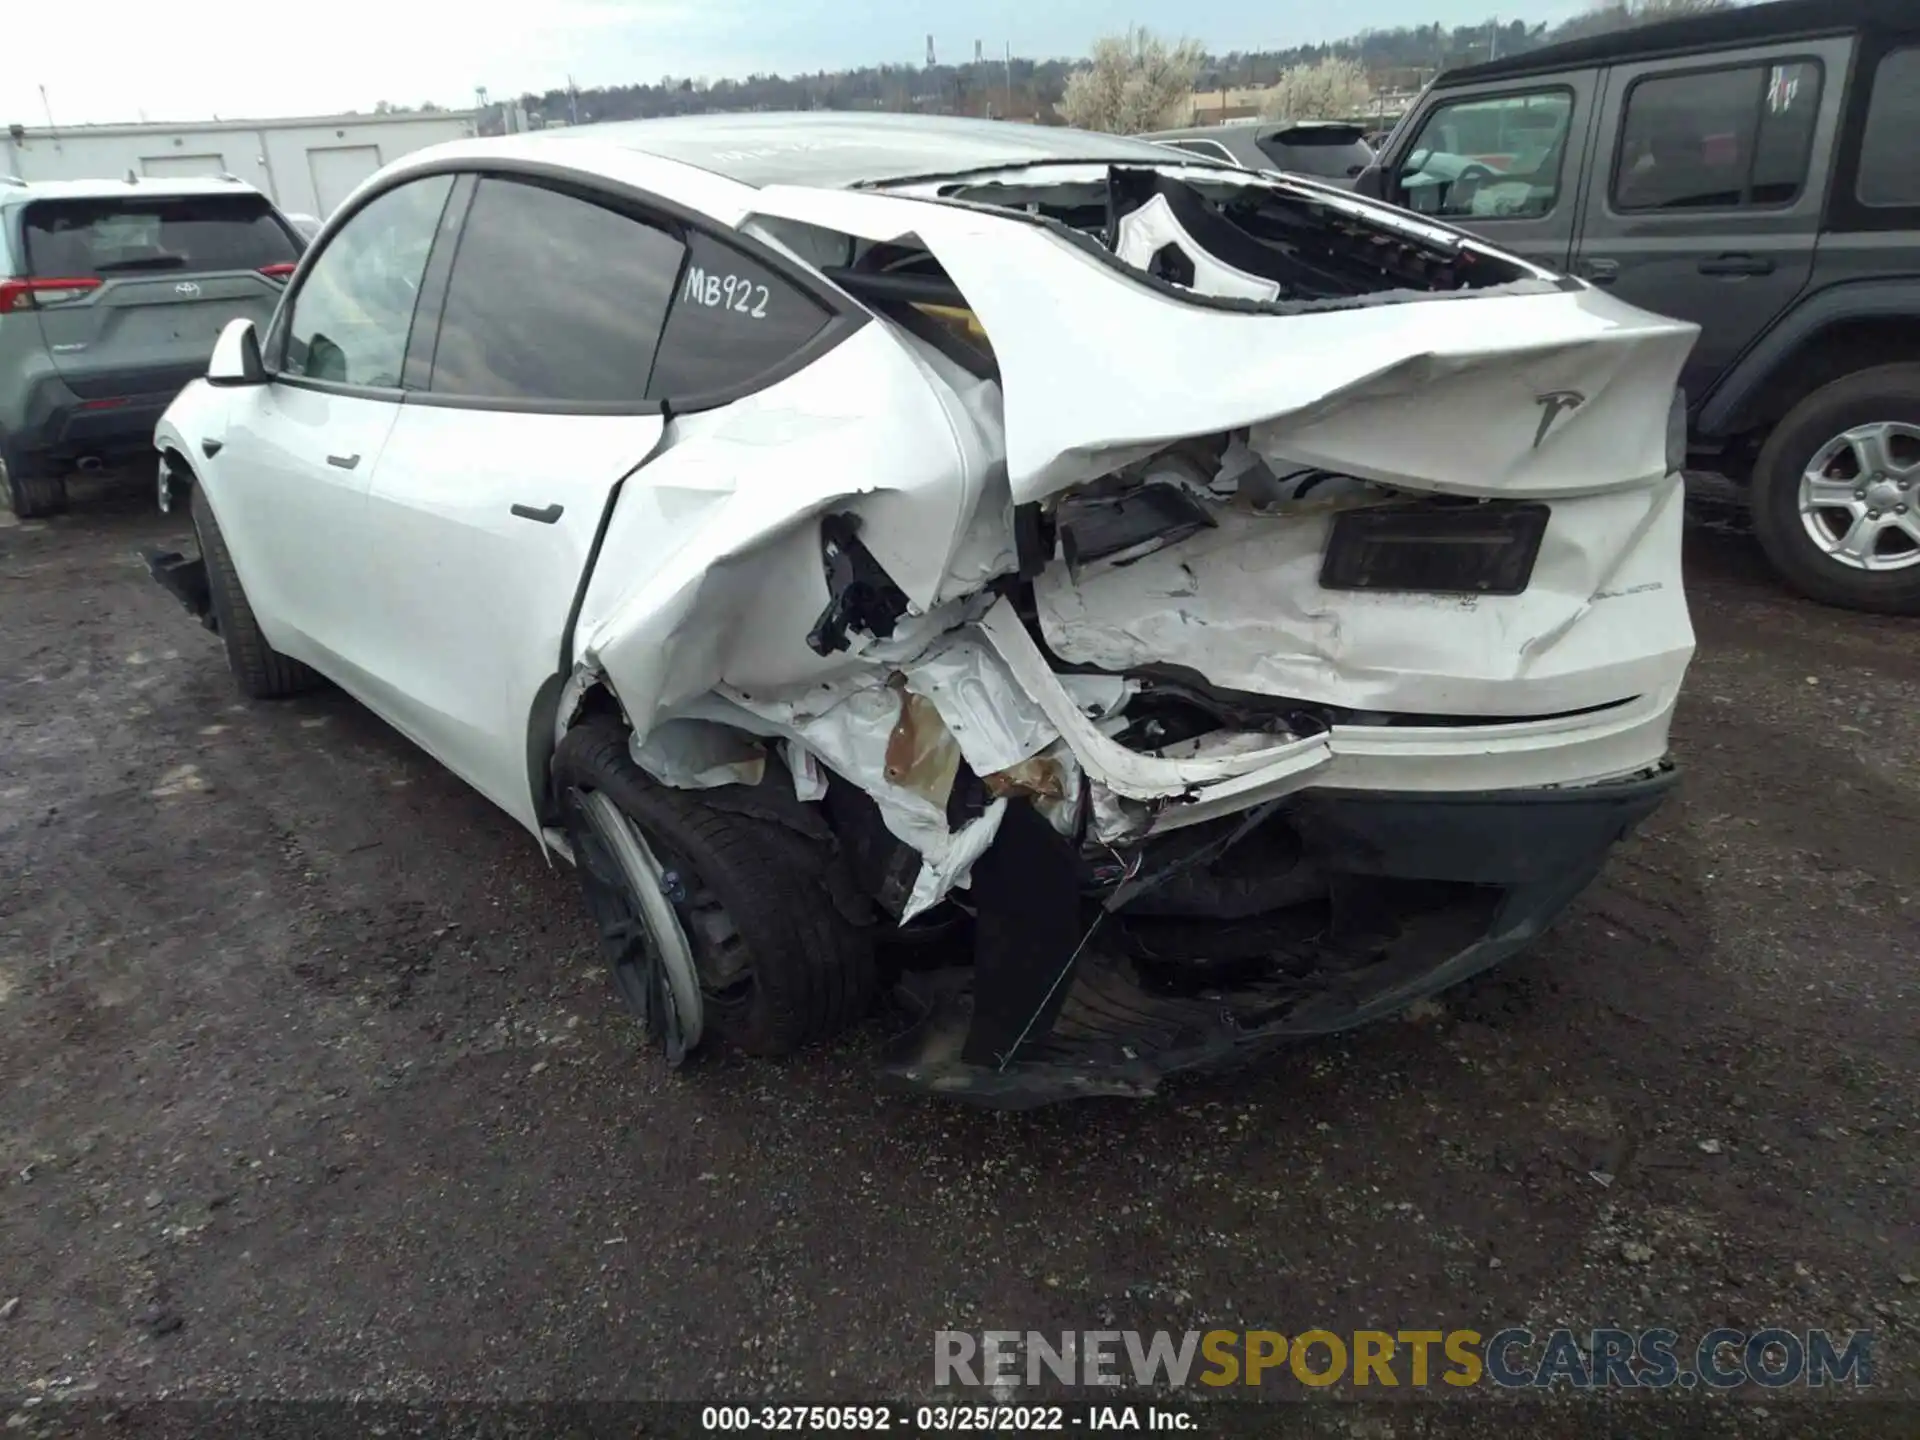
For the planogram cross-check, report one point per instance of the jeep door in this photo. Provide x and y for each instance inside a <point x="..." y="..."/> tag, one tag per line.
<point x="1710" y="176"/>
<point x="1503" y="160"/>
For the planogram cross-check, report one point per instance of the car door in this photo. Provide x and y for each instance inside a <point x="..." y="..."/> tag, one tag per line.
<point x="547" y="379"/>
<point x="1705" y="202"/>
<point x="289" y="474"/>
<point x="1503" y="160"/>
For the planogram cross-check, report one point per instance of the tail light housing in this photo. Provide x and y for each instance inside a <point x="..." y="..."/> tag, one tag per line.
<point x="29" y="294"/>
<point x="278" y="272"/>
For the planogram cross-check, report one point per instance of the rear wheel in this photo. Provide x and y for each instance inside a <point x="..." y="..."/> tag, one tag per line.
<point x="262" y="672"/>
<point x="1836" y="493"/>
<point x="713" y="920"/>
<point x="32" y="496"/>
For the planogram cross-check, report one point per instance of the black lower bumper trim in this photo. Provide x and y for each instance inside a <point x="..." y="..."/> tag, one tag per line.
<point x="1445" y="886"/>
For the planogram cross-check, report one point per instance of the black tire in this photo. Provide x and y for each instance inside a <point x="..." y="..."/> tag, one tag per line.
<point x="810" y="969"/>
<point x="33" y="496"/>
<point x="1890" y="393"/>
<point x="262" y="672"/>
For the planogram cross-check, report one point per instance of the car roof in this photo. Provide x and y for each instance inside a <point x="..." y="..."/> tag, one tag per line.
<point x="21" y="193"/>
<point x="839" y="149"/>
<point x="1264" y="128"/>
<point x="1720" y="29"/>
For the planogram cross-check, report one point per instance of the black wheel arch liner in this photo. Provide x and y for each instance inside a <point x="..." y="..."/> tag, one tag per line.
<point x="1727" y="409"/>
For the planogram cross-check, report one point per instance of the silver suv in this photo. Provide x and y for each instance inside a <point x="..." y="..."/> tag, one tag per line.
<point x="112" y="293"/>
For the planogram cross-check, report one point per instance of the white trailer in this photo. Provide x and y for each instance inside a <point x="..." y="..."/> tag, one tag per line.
<point x="307" y="166"/>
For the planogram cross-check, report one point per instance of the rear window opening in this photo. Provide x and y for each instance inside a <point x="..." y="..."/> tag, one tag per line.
<point x="912" y="289"/>
<point x="177" y="234"/>
<point x="1226" y="239"/>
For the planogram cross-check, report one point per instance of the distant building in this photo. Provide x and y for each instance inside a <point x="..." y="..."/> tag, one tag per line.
<point x="307" y="166"/>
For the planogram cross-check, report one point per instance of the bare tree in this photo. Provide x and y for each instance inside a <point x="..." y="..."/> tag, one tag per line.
<point x="1133" y="83"/>
<point x="1334" y="89"/>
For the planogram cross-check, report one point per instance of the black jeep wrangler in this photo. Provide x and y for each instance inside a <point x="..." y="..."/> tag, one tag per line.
<point x="1754" y="171"/>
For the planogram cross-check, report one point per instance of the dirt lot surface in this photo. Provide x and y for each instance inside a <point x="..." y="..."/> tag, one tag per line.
<point x="311" y="1084"/>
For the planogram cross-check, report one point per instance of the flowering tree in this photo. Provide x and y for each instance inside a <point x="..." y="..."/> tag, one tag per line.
<point x="1133" y="83"/>
<point x="1332" y="90"/>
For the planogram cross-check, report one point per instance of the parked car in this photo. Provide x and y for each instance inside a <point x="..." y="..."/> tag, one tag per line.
<point x="1750" y="171"/>
<point x="112" y="293"/>
<point x="1246" y="619"/>
<point x="1329" y="150"/>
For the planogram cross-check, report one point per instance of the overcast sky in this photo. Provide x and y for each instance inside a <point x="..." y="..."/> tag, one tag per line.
<point x="193" y="59"/>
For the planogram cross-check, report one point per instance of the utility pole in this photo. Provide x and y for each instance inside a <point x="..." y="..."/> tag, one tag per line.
<point x="1009" y="59"/>
<point x="573" y="102"/>
<point x="1493" y="39"/>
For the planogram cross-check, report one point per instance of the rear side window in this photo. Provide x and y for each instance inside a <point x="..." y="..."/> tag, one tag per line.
<point x="1334" y="152"/>
<point x="1888" y="174"/>
<point x="188" y="234"/>
<point x="1718" y="139"/>
<point x="553" y="298"/>
<point x="733" y="321"/>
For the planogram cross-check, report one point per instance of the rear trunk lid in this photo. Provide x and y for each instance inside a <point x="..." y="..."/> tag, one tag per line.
<point x="156" y="278"/>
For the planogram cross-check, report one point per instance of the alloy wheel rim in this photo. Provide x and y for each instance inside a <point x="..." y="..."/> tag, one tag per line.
<point x="652" y="959"/>
<point x="1859" y="497"/>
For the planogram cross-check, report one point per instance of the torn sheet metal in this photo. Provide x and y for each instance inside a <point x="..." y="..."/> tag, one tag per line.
<point x="1376" y="391"/>
<point x="997" y="725"/>
<point x="699" y="755"/>
<point x="1240" y="603"/>
<point x="872" y="732"/>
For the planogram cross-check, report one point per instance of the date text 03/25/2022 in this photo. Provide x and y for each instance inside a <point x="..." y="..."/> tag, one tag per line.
<point x="941" y="1419"/>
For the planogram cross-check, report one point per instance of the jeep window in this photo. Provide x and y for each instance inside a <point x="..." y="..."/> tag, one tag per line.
<point x="733" y="321"/>
<point x="553" y="298"/>
<point x="1718" y="139"/>
<point x="185" y="234"/>
<point x="1888" y="175"/>
<point x="1489" y="157"/>
<point x="353" y="310"/>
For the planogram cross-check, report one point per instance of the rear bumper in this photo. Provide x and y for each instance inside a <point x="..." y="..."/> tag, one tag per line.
<point x="1401" y="895"/>
<point x="57" y="426"/>
<point x="1498" y="837"/>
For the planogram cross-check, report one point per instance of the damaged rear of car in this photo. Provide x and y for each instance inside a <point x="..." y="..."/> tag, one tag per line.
<point x="1152" y="610"/>
<point x="1249" y="609"/>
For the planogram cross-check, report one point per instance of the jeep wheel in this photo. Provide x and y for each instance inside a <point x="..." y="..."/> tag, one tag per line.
<point x="1836" y="493"/>
<point x="32" y="496"/>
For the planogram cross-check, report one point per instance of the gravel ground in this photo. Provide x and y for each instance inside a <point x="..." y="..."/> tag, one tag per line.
<point x="311" y="1085"/>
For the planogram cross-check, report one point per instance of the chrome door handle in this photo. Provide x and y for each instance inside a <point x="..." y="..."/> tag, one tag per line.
<point x="343" y="462"/>
<point x="1600" y="272"/>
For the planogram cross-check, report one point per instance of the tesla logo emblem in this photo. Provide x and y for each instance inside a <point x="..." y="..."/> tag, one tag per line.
<point x="186" y="287"/>
<point x="1552" y="405"/>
